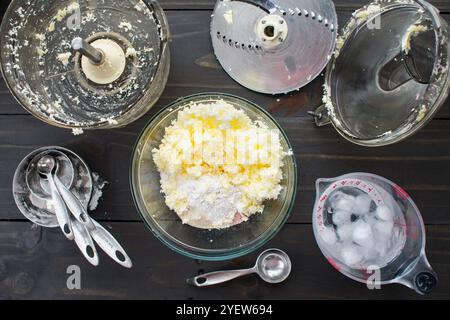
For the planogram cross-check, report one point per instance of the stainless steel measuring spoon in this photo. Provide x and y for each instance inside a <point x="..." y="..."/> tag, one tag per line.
<point x="84" y="241"/>
<point x="273" y="266"/>
<point x="110" y="245"/>
<point x="46" y="167"/>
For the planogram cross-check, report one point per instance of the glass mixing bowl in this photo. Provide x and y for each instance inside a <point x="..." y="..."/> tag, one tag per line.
<point x="201" y="243"/>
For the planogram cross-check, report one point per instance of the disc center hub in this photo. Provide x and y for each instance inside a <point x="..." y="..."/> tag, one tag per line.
<point x="272" y="30"/>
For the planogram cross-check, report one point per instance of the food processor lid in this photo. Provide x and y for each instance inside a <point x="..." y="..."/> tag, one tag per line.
<point x="49" y="76"/>
<point x="274" y="46"/>
<point x="389" y="73"/>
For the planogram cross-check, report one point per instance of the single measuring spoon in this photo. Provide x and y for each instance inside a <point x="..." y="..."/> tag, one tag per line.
<point x="46" y="166"/>
<point x="85" y="243"/>
<point x="273" y="266"/>
<point x="110" y="245"/>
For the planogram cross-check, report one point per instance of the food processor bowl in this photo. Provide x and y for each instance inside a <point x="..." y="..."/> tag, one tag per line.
<point x="204" y="244"/>
<point x="409" y="266"/>
<point x="389" y="74"/>
<point x="53" y="79"/>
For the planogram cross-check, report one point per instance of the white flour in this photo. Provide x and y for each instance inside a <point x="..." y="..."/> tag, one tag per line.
<point x="97" y="192"/>
<point x="209" y="204"/>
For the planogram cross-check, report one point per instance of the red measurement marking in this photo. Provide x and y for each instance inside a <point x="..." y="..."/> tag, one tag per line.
<point x="408" y="231"/>
<point x="366" y="275"/>
<point x="401" y="193"/>
<point x="334" y="264"/>
<point x="325" y="197"/>
<point x="412" y="232"/>
<point x="398" y="222"/>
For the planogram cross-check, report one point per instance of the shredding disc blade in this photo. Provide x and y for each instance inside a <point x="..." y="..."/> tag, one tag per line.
<point x="274" y="46"/>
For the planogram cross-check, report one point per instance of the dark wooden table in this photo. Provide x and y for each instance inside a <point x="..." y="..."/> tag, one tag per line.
<point x="33" y="260"/>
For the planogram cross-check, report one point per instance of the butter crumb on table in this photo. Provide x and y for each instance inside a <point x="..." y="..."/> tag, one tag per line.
<point x="64" y="58"/>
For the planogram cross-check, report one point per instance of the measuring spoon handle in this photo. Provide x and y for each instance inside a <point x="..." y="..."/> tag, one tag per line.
<point x="110" y="245"/>
<point x="213" y="278"/>
<point x="84" y="241"/>
<point x="60" y="210"/>
<point x="74" y="205"/>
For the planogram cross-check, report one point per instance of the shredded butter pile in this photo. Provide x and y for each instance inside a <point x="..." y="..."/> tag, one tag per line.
<point x="217" y="166"/>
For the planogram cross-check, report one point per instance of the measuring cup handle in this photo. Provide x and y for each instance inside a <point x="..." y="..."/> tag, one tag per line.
<point x="425" y="282"/>
<point x="74" y="205"/>
<point x="421" y="277"/>
<point x="62" y="215"/>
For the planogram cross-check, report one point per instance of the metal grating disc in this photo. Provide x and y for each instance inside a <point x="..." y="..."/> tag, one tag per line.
<point x="274" y="46"/>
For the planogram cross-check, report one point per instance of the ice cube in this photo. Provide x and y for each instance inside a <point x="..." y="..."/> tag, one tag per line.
<point x="345" y="231"/>
<point x="384" y="230"/>
<point x="370" y="255"/>
<point x="384" y="213"/>
<point x="381" y="248"/>
<point x="328" y="236"/>
<point x="362" y="204"/>
<point x="342" y="201"/>
<point x="370" y="218"/>
<point x="363" y="235"/>
<point x="351" y="255"/>
<point x="341" y="217"/>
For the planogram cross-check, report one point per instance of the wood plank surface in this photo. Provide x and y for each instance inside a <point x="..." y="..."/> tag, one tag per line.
<point x="33" y="260"/>
<point x="34" y="264"/>
<point x="421" y="164"/>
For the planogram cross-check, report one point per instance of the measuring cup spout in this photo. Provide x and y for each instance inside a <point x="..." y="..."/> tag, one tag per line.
<point x="321" y="185"/>
<point x="420" y="276"/>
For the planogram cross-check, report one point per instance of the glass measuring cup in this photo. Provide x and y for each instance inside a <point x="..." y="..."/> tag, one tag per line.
<point x="408" y="265"/>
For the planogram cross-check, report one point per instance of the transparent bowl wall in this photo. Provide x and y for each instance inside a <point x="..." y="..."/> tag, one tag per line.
<point x="198" y="243"/>
<point x="37" y="94"/>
